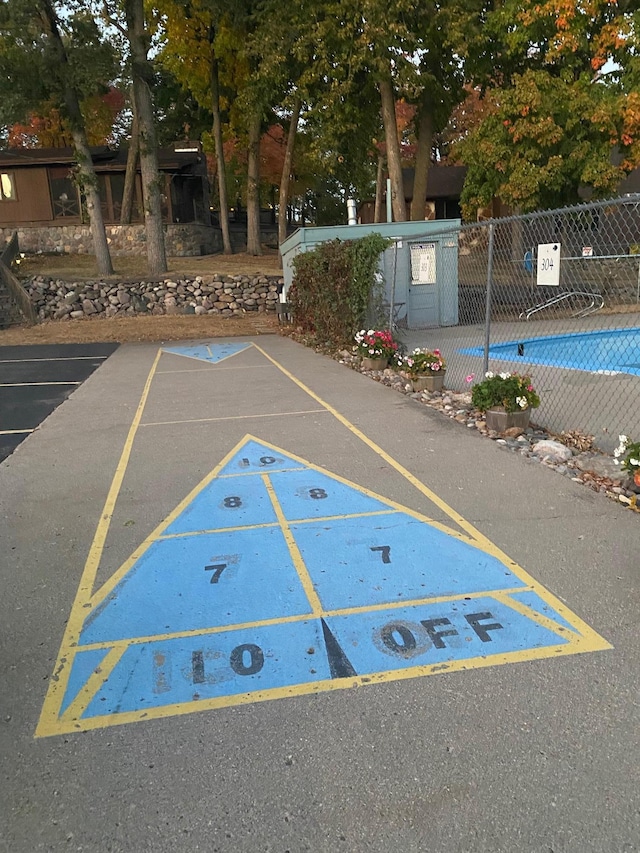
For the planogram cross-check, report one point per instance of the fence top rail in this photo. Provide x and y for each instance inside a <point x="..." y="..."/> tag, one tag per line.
<point x="620" y="201"/>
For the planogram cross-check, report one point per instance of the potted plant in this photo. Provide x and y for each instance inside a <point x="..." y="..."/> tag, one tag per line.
<point x="425" y="368"/>
<point x="631" y="461"/>
<point x="376" y="347"/>
<point x="506" y="398"/>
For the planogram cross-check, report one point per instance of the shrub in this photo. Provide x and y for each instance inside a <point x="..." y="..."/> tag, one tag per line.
<point x="334" y="286"/>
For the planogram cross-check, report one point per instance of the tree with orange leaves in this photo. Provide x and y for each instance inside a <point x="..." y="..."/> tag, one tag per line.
<point x="562" y="79"/>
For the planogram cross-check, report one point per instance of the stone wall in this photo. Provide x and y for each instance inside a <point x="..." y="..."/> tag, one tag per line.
<point x="180" y="240"/>
<point x="206" y="294"/>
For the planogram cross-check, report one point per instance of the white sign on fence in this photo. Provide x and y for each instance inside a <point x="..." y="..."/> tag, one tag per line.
<point x="548" y="265"/>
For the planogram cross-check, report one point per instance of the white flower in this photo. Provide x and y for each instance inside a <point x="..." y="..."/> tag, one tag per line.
<point x="635" y="462"/>
<point x="489" y="374"/>
<point x="623" y="440"/>
<point x="522" y="402"/>
<point x="505" y="375"/>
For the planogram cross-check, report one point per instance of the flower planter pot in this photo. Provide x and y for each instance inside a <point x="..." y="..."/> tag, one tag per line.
<point x="374" y="363"/>
<point x="636" y="478"/>
<point x="499" y="420"/>
<point x="428" y="382"/>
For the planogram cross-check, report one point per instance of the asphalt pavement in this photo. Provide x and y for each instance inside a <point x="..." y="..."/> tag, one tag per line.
<point x="36" y="379"/>
<point x="254" y="601"/>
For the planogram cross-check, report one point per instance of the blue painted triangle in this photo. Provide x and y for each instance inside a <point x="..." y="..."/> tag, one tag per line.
<point x="85" y="664"/>
<point x="279" y="575"/>
<point x="212" y="353"/>
<point x="257" y="458"/>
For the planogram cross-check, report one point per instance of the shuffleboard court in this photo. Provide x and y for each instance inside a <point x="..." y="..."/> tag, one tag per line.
<point x="276" y="577"/>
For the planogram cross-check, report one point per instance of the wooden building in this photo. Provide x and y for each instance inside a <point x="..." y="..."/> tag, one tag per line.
<point x="444" y="185"/>
<point x="37" y="187"/>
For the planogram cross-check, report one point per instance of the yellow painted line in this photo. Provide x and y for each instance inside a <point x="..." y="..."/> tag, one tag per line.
<point x="298" y="617"/>
<point x="455" y="516"/>
<point x="30" y="384"/>
<point x="236" y="417"/>
<point x="113" y="581"/>
<point x="414" y="602"/>
<point x="208" y="369"/>
<point x="545" y="621"/>
<point x="208" y="531"/>
<point x="15" y="431"/>
<point x="201" y="632"/>
<point x="294" y="551"/>
<point x="57" y="686"/>
<point x="93" y="684"/>
<point x="259" y="473"/>
<point x="188" y="533"/>
<point x="481" y="540"/>
<point x="296" y="690"/>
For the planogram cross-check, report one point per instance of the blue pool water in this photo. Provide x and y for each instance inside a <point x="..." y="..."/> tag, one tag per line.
<point x="610" y="350"/>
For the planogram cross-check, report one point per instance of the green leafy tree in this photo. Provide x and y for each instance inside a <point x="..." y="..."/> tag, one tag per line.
<point x="562" y="80"/>
<point x="48" y="59"/>
<point x="189" y="33"/>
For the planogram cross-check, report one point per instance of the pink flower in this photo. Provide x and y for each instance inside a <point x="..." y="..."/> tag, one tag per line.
<point x="529" y="387"/>
<point x="470" y="377"/>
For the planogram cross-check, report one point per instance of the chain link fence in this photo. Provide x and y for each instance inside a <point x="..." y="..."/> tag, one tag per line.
<point x="555" y="295"/>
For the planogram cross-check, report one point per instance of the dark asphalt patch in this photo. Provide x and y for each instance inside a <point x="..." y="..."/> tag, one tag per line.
<point x="27" y="391"/>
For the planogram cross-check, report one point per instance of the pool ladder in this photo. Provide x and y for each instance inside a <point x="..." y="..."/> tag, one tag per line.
<point x="595" y="303"/>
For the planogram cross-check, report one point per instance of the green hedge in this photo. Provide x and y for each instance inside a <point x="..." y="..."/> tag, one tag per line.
<point x="334" y="291"/>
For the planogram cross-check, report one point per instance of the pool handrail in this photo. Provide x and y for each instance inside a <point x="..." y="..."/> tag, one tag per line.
<point x="591" y="308"/>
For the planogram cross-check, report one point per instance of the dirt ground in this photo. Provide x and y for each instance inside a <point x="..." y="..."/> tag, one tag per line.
<point x="129" y="329"/>
<point x="77" y="267"/>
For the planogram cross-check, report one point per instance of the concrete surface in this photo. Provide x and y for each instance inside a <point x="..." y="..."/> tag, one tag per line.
<point x="538" y="755"/>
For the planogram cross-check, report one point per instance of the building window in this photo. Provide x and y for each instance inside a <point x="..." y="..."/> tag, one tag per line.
<point x="64" y="194"/>
<point x="7" y="187"/>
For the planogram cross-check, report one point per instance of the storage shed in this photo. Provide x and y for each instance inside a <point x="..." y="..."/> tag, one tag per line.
<point x="420" y="268"/>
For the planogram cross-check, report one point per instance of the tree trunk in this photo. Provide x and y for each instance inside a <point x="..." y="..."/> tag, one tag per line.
<point x="423" y="161"/>
<point x="86" y="176"/>
<point x="142" y="76"/>
<point x="377" y="211"/>
<point x="393" y="150"/>
<point x="220" y="164"/>
<point x="132" y="164"/>
<point x="283" y="197"/>
<point x="253" y="187"/>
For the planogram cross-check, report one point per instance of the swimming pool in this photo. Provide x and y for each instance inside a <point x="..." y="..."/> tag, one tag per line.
<point x="607" y="351"/>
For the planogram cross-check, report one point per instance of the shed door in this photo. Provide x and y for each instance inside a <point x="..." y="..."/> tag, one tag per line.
<point x="423" y="291"/>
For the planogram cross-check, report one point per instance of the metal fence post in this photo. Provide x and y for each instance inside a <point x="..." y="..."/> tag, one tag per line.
<point x="487" y="314"/>
<point x="392" y="297"/>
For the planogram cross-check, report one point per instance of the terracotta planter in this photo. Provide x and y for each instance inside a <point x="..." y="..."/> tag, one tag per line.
<point x="636" y="477"/>
<point x="374" y="363"/>
<point x="499" y="420"/>
<point x="428" y="382"/>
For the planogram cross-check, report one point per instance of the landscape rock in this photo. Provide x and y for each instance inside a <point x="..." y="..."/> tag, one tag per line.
<point x="55" y="299"/>
<point x="553" y="450"/>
